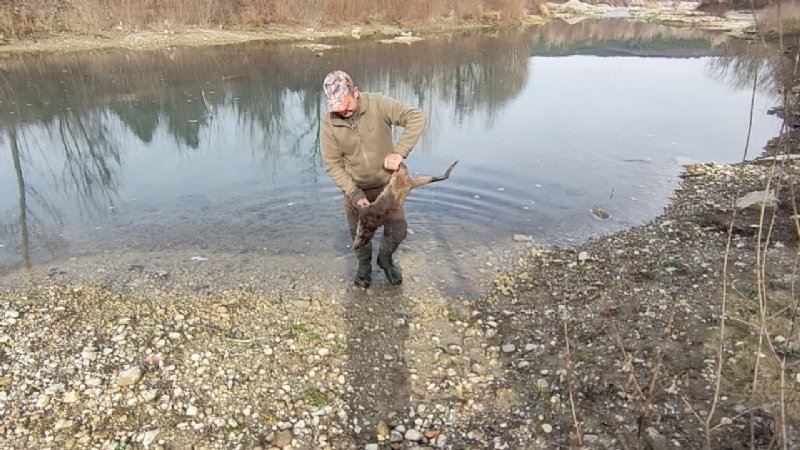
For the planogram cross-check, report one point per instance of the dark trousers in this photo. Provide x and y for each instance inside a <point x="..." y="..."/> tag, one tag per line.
<point x="395" y="227"/>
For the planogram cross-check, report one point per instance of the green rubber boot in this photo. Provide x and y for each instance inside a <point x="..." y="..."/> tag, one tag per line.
<point x="364" y="272"/>
<point x="385" y="262"/>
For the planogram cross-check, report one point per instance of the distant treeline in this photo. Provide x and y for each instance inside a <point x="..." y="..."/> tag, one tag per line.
<point x="19" y="18"/>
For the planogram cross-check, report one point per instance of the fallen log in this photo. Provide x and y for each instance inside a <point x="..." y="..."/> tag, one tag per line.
<point x="394" y="194"/>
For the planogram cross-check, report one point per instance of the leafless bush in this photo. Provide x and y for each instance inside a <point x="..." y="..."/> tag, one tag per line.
<point x="20" y="19"/>
<point x="784" y="15"/>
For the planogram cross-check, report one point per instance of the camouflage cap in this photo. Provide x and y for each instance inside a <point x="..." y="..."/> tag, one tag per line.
<point x="337" y="86"/>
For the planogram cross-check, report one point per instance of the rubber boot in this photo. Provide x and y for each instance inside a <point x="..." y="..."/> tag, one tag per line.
<point x="385" y="262"/>
<point x="364" y="272"/>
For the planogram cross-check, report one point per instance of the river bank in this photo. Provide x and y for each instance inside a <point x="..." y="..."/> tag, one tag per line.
<point x="680" y="14"/>
<point x="145" y="362"/>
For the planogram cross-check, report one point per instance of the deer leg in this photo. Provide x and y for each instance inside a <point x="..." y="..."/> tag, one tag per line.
<point x="420" y="181"/>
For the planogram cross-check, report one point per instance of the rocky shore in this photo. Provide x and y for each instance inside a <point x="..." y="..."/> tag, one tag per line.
<point x="148" y="365"/>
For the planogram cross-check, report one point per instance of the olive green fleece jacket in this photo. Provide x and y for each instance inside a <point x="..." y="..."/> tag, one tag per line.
<point x="354" y="154"/>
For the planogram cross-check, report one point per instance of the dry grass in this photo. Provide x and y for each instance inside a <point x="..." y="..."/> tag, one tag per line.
<point x="31" y="17"/>
<point x="785" y="15"/>
<point x="25" y="18"/>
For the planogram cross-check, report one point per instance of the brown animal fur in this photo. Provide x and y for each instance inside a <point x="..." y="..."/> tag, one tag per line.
<point x="392" y="198"/>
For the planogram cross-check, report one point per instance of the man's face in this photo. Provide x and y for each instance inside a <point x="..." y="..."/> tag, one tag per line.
<point x="348" y="107"/>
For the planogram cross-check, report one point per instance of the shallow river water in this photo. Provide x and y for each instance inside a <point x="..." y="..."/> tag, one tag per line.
<point x="119" y="153"/>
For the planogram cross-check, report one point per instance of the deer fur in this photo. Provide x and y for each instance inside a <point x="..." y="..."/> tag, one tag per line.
<point x="394" y="194"/>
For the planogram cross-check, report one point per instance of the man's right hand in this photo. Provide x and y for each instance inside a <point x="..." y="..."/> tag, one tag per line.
<point x="362" y="202"/>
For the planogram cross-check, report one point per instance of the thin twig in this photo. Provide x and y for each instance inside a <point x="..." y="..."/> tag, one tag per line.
<point x="691" y="410"/>
<point x="729" y="240"/>
<point x="570" y="388"/>
<point x="651" y="393"/>
<point x="247" y="341"/>
<point x="627" y="358"/>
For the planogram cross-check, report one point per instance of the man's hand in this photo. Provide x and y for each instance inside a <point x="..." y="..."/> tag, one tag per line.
<point x="362" y="202"/>
<point x="392" y="161"/>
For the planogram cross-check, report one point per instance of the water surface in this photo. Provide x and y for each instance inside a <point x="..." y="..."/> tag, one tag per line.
<point x="118" y="151"/>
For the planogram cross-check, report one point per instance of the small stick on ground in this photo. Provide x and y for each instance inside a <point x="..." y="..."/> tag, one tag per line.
<point x="626" y="357"/>
<point x="568" y="356"/>
<point x="644" y="418"/>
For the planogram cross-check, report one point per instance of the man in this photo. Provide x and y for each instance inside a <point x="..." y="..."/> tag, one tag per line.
<point x="360" y="157"/>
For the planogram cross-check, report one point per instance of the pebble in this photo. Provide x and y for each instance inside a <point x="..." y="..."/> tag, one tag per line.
<point x="413" y="435"/>
<point x="149" y="395"/>
<point x="70" y="397"/>
<point x="129" y="376"/>
<point x="454" y="350"/>
<point x="382" y="431"/>
<point x="395" y="436"/>
<point x="43" y="401"/>
<point x="191" y="410"/>
<point x="62" y="423"/>
<point x="508" y="348"/>
<point x="149" y="437"/>
<point x="547" y="428"/>
<point x="283" y="438"/>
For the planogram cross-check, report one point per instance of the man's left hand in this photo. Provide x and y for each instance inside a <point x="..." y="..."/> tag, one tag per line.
<point x="392" y="161"/>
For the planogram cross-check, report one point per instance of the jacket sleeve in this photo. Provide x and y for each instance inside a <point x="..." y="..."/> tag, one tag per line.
<point x="411" y="119"/>
<point x="334" y="163"/>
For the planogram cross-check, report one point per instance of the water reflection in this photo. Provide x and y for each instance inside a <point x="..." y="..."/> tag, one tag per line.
<point x="118" y="148"/>
<point x="24" y="232"/>
<point x="618" y="37"/>
<point x="743" y="62"/>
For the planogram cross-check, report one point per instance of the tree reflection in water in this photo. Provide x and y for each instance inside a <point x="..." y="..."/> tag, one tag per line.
<point x="741" y="61"/>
